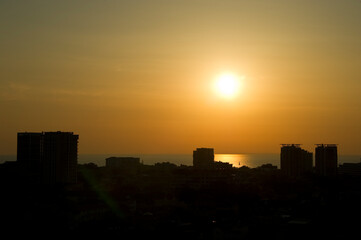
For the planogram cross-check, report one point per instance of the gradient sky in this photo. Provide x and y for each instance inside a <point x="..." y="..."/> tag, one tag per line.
<point x="136" y="76"/>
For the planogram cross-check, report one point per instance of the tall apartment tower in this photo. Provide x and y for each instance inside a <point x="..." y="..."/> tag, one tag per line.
<point x="49" y="157"/>
<point x="60" y="157"/>
<point x="295" y="161"/>
<point x="326" y="159"/>
<point x="203" y="158"/>
<point x="30" y="154"/>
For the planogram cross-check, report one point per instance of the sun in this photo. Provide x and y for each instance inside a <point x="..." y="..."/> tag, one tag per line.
<point x="227" y="85"/>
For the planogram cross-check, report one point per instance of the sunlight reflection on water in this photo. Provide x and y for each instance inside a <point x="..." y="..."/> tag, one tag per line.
<point x="249" y="160"/>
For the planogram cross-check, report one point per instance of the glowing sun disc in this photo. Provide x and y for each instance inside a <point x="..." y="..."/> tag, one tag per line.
<point x="227" y="85"/>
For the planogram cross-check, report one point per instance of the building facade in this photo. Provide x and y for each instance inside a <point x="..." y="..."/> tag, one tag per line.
<point x="326" y="159"/>
<point x="295" y="161"/>
<point x="203" y="158"/>
<point x="60" y="157"/>
<point x="52" y="157"/>
<point x="30" y="154"/>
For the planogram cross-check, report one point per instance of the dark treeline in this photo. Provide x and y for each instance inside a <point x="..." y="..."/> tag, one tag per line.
<point x="169" y="201"/>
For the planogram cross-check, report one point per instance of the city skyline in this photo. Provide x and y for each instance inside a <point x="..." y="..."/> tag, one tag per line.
<point x="210" y="199"/>
<point x="33" y="148"/>
<point x="52" y="157"/>
<point x="153" y="77"/>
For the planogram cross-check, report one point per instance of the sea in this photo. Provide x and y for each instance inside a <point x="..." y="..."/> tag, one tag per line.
<point x="251" y="160"/>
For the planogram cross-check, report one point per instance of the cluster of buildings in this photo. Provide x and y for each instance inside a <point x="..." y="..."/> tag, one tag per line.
<point x="203" y="159"/>
<point x="296" y="161"/>
<point x="128" y="164"/>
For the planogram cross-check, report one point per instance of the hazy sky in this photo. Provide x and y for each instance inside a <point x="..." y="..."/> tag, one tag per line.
<point x="136" y="76"/>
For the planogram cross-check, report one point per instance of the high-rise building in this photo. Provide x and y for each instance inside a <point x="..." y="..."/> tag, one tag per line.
<point x="60" y="157"/>
<point x="326" y="159"/>
<point x="50" y="157"/>
<point x="295" y="161"/>
<point x="30" y="153"/>
<point x="203" y="158"/>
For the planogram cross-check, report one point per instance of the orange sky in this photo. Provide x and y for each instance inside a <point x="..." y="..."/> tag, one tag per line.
<point x="136" y="76"/>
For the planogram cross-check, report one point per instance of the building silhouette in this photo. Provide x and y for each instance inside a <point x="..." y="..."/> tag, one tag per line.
<point x="295" y="161"/>
<point x="30" y="154"/>
<point x="326" y="159"/>
<point x="203" y="158"/>
<point x="353" y="169"/>
<point x="60" y="157"/>
<point x="124" y="164"/>
<point x="49" y="157"/>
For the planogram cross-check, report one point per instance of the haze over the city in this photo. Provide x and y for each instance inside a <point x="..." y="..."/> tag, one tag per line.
<point x="170" y="76"/>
